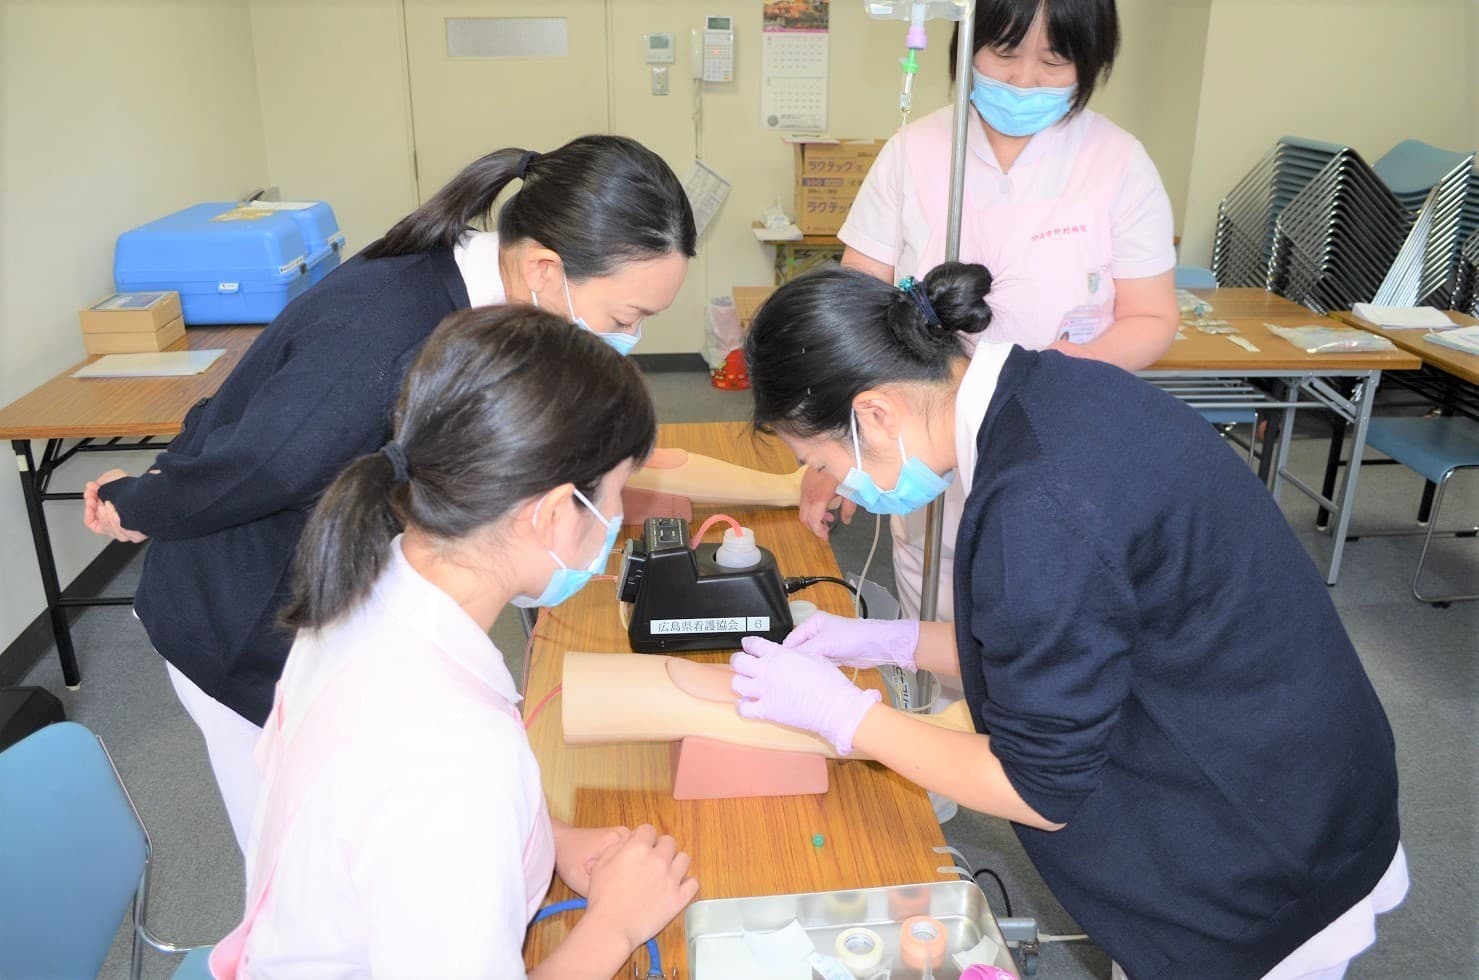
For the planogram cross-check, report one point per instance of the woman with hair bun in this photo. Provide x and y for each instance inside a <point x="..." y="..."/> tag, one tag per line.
<point x="1209" y="794"/>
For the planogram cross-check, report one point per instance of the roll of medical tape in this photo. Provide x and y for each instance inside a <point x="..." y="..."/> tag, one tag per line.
<point x="922" y="942"/>
<point x="861" y="951"/>
<point x="845" y="907"/>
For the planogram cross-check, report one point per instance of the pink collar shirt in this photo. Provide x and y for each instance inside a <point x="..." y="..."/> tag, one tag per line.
<point x="1081" y="207"/>
<point x="402" y="829"/>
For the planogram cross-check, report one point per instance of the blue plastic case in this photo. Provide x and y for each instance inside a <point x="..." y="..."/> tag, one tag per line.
<point x="231" y="263"/>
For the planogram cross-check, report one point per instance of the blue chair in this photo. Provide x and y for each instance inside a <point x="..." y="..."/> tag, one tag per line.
<point x="1412" y="168"/>
<point x="73" y="857"/>
<point x="1435" y="448"/>
<point x="1194" y="277"/>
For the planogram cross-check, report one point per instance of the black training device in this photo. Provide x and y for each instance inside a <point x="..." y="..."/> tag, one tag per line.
<point x="682" y="599"/>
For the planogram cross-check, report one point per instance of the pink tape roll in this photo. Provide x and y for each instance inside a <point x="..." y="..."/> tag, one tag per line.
<point x="922" y="942"/>
<point x="980" y="972"/>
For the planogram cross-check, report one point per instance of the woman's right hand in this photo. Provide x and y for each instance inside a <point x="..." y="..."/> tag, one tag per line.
<point x="818" y="499"/>
<point x="640" y="885"/>
<point x="857" y="642"/>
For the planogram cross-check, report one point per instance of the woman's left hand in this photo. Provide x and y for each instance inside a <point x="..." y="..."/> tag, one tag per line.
<point x="577" y="849"/>
<point x="101" y="517"/>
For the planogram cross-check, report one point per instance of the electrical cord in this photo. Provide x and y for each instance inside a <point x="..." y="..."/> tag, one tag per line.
<point x="797" y="583"/>
<point x="654" y="959"/>
<point x="1005" y="899"/>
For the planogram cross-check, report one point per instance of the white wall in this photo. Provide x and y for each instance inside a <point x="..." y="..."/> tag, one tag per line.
<point x="1367" y="74"/>
<point x="113" y="113"/>
<point x="335" y="108"/>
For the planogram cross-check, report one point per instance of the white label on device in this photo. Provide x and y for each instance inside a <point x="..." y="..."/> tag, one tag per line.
<point x="722" y="624"/>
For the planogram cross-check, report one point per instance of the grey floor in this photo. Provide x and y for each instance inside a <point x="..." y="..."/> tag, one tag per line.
<point x="1423" y="661"/>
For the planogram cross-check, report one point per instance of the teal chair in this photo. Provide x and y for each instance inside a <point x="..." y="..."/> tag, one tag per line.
<point x="1194" y="277"/>
<point x="1435" y="448"/>
<point x="74" y="856"/>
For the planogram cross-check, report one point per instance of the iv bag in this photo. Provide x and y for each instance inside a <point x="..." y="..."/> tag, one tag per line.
<point x="901" y="9"/>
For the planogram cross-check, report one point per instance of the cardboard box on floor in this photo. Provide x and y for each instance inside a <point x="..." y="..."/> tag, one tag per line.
<point x="829" y="173"/>
<point x="747" y="300"/>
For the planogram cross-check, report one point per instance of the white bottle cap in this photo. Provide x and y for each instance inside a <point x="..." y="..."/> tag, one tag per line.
<point x="738" y="550"/>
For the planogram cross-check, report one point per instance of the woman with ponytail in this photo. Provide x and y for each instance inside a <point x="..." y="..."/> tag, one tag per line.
<point x="1209" y="794"/>
<point x="401" y="829"/>
<point x="598" y="231"/>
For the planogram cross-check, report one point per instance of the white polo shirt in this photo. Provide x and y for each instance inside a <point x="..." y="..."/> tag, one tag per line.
<point x="402" y="828"/>
<point x="1081" y="207"/>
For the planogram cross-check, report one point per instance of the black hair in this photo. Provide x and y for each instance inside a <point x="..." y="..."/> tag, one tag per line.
<point x="825" y="337"/>
<point x="597" y="202"/>
<point x="1086" y="32"/>
<point x="502" y="405"/>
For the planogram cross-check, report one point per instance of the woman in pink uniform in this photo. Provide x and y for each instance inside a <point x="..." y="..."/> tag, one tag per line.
<point x="1063" y="206"/>
<point x="402" y="830"/>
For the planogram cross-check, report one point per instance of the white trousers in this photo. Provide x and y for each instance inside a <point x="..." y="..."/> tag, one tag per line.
<point x="230" y="741"/>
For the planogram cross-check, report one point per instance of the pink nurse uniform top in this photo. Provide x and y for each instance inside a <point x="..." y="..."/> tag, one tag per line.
<point x="402" y="829"/>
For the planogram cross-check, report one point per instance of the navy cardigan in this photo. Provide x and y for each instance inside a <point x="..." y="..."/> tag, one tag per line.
<point x="233" y="491"/>
<point x="1160" y="667"/>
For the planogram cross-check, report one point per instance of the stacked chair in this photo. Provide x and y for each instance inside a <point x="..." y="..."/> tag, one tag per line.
<point x="1440" y="189"/>
<point x="1314" y="223"/>
<point x="1466" y="278"/>
<point x="1247" y="217"/>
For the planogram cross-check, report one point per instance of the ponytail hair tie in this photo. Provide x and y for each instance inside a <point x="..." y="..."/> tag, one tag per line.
<point x="400" y="471"/>
<point x="525" y="162"/>
<point x="916" y="292"/>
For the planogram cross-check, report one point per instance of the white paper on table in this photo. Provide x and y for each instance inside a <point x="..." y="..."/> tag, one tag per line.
<point x="706" y="192"/>
<point x="1464" y="340"/>
<point x="165" y="364"/>
<point x="1403" y="317"/>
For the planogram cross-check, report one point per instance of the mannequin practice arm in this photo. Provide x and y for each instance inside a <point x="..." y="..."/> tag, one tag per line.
<point x="633" y="697"/>
<point x="706" y="480"/>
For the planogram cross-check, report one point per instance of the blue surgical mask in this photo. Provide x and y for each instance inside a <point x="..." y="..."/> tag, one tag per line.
<point x="1013" y="111"/>
<point x="917" y="486"/>
<point x="567" y="581"/>
<point x="622" y="343"/>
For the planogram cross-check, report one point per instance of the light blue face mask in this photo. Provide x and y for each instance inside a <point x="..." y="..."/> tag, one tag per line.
<point x="1014" y="111"/>
<point x="917" y="486"/>
<point x="567" y="581"/>
<point x="622" y="343"/>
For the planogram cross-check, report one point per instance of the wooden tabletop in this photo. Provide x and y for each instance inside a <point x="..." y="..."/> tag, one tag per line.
<point x="878" y="828"/>
<point x="1456" y="363"/>
<point x="1249" y="310"/>
<point x="78" y="408"/>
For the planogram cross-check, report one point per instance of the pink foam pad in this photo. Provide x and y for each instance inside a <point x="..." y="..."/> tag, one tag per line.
<point x="638" y="505"/>
<point x="705" y="769"/>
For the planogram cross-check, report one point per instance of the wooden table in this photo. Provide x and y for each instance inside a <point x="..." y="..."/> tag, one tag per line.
<point x="879" y="828"/>
<point x="1210" y="371"/>
<point x="102" y="415"/>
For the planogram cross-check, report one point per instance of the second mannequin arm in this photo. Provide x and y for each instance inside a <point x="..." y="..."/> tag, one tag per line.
<point x="705" y="480"/>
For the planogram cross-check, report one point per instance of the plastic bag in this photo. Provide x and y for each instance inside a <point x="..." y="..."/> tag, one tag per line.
<point x="1332" y="340"/>
<point x="1189" y="302"/>
<point x="722" y="332"/>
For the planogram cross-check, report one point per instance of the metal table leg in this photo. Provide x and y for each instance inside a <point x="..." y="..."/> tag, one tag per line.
<point x="1366" y="398"/>
<point x="31" y="490"/>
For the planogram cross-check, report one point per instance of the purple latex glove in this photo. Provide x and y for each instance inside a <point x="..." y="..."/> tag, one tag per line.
<point x="799" y="689"/>
<point x="858" y="642"/>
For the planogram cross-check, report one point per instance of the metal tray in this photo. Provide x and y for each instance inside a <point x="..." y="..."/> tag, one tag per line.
<point x="716" y="927"/>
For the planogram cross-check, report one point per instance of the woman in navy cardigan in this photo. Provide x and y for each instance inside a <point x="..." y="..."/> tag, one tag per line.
<point x="1165" y="703"/>
<point x="599" y="231"/>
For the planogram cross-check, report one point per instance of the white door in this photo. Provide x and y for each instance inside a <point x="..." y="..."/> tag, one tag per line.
<point x="486" y="75"/>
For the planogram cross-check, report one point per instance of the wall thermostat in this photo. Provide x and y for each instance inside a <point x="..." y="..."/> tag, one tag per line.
<point x="659" y="48"/>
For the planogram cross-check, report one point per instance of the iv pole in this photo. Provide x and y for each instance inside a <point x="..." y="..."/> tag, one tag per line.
<point x="934" y="527"/>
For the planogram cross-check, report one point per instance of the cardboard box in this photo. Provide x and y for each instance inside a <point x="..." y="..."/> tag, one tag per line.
<point x="747" y="299"/>
<point x="131" y="313"/>
<point x="829" y="173"/>
<point x="134" y="341"/>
